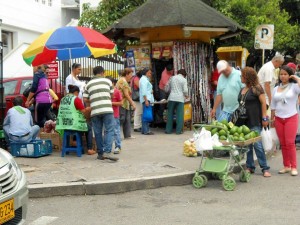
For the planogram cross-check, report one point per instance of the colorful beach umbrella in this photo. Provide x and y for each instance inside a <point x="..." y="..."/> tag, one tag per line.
<point x="68" y="43"/>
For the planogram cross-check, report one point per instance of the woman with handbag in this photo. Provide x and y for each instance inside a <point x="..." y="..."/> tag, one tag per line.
<point x="146" y="98"/>
<point x="125" y="113"/>
<point x="284" y="117"/>
<point x="254" y="99"/>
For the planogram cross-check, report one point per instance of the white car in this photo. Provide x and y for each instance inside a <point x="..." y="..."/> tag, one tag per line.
<point x="13" y="191"/>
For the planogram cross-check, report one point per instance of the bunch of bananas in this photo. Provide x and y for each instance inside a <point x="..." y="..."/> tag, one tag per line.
<point x="189" y="149"/>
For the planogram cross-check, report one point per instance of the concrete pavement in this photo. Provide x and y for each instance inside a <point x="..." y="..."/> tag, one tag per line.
<point x="148" y="161"/>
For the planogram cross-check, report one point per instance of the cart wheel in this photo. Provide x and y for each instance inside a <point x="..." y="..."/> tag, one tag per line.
<point x="198" y="181"/>
<point x="229" y="184"/>
<point x="245" y="176"/>
<point x="204" y="179"/>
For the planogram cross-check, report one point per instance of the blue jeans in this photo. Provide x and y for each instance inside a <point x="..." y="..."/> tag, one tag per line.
<point x="89" y="136"/>
<point x="145" y="125"/>
<point x="100" y="122"/>
<point x="260" y="154"/>
<point x="117" y="133"/>
<point x="116" y="137"/>
<point x="219" y="108"/>
<point x="31" y="136"/>
<point x="224" y="116"/>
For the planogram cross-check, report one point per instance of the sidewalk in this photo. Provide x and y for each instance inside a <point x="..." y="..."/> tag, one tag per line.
<point x="145" y="162"/>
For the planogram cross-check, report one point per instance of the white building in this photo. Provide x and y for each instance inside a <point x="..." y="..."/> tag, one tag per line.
<point x="24" y="20"/>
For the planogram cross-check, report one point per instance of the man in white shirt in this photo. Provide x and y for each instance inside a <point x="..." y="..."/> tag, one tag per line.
<point x="267" y="76"/>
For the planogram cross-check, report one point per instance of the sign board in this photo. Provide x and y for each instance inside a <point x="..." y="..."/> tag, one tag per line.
<point x="53" y="70"/>
<point x="141" y="56"/>
<point x="264" y="36"/>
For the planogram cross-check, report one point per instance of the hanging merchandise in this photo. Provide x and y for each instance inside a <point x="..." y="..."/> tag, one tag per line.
<point x="192" y="56"/>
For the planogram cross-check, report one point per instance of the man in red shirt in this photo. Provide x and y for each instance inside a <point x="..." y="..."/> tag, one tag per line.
<point x="214" y="84"/>
<point x="165" y="77"/>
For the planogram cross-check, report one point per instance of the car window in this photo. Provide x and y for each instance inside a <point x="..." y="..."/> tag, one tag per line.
<point x="24" y="85"/>
<point x="10" y="87"/>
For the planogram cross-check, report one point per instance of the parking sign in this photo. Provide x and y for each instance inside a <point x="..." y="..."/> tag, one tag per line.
<point x="264" y="36"/>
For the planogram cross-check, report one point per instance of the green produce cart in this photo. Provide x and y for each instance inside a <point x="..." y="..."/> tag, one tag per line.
<point x="218" y="167"/>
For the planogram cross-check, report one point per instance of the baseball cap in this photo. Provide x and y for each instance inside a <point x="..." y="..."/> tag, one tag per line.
<point x="292" y="66"/>
<point x="222" y="65"/>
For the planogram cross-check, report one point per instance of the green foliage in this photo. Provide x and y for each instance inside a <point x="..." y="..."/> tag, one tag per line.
<point x="251" y="13"/>
<point x="107" y="12"/>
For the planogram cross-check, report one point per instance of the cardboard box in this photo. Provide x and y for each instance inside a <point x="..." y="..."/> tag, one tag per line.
<point x="55" y="138"/>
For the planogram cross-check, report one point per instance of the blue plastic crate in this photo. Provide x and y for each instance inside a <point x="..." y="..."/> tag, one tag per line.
<point x="33" y="149"/>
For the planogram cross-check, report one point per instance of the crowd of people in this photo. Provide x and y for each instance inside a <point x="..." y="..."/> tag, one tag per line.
<point x="271" y="99"/>
<point x="103" y="106"/>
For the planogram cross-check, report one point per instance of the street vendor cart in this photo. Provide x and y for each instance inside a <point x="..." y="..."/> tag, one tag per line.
<point x="221" y="168"/>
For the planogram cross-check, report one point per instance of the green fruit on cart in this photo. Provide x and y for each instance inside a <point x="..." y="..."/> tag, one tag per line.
<point x="246" y="129"/>
<point x="236" y="138"/>
<point x="230" y="125"/>
<point x="257" y="133"/>
<point x="241" y="139"/>
<point x="233" y="130"/>
<point x="223" y="138"/>
<point x="253" y="134"/>
<point x="242" y="135"/>
<point x="240" y="130"/>
<point x="236" y="134"/>
<point x="222" y="133"/>
<point x="213" y="131"/>
<point x="224" y="122"/>
<point x="207" y="128"/>
<point x="247" y="137"/>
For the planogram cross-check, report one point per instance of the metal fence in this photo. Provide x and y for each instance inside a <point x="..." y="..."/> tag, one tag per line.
<point x="112" y="65"/>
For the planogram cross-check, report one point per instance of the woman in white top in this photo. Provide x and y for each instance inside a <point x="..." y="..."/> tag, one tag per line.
<point x="73" y="79"/>
<point x="284" y="117"/>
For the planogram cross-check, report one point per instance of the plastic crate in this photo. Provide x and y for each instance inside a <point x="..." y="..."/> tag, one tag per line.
<point x="33" y="149"/>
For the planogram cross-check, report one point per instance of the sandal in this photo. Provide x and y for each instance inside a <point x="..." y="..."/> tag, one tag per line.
<point x="266" y="173"/>
<point x="250" y="170"/>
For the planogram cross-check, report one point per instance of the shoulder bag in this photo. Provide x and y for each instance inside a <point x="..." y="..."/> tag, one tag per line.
<point x="239" y="116"/>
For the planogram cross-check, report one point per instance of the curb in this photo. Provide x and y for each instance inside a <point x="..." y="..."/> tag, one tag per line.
<point x="109" y="186"/>
<point x="119" y="185"/>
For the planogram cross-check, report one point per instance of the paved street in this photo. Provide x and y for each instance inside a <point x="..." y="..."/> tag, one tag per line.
<point x="268" y="201"/>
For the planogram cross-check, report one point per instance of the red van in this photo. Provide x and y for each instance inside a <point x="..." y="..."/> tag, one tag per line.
<point x="14" y="87"/>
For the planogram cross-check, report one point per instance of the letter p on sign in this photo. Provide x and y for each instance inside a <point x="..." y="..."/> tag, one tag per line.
<point x="264" y="36"/>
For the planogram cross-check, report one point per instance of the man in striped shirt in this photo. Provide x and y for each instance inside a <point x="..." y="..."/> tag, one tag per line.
<point x="98" y="94"/>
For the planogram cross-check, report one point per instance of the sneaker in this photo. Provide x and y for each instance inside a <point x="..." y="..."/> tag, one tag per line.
<point x="117" y="150"/>
<point x="131" y="137"/>
<point x="107" y="156"/>
<point x="149" y="133"/>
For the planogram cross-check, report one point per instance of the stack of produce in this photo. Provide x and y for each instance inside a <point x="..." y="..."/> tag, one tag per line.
<point x="227" y="130"/>
<point x="189" y="149"/>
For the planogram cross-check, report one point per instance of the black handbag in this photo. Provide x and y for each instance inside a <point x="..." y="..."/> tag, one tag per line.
<point x="239" y="116"/>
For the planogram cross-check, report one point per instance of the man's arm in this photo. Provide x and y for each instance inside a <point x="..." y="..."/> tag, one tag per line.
<point x="268" y="91"/>
<point x="218" y="101"/>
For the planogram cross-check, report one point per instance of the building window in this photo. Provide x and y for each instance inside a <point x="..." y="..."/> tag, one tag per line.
<point x="44" y="2"/>
<point x="7" y="39"/>
<point x="49" y="2"/>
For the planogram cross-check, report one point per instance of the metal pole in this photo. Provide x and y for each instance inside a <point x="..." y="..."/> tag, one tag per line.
<point x="2" y="110"/>
<point x="263" y="57"/>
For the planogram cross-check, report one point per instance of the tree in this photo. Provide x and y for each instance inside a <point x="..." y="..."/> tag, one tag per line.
<point x="107" y="12"/>
<point x="251" y="13"/>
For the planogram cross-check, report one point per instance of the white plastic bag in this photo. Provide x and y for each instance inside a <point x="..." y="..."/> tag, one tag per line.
<point x="266" y="139"/>
<point x="204" y="141"/>
<point x="274" y="136"/>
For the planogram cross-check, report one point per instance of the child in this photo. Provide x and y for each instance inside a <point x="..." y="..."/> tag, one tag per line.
<point x="116" y="103"/>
